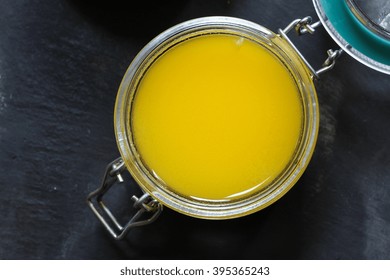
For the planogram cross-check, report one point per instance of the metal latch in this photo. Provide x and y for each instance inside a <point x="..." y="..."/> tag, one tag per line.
<point x="148" y="208"/>
<point x="304" y="26"/>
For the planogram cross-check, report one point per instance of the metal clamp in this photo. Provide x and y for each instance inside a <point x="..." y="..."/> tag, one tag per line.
<point x="304" y="26"/>
<point x="146" y="205"/>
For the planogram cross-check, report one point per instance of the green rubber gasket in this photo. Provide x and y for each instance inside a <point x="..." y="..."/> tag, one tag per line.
<point x="355" y="38"/>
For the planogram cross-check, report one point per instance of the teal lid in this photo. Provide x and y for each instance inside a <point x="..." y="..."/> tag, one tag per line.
<point x="360" y="27"/>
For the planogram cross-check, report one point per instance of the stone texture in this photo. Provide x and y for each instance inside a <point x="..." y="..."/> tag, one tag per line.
<point x="61" y="63"/>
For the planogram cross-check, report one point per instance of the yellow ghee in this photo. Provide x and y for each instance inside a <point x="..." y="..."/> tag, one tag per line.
<point x="217" y="117"/>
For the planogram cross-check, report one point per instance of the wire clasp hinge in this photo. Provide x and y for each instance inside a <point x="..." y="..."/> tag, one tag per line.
<point x="146" y="205"/>
<point x="304" y="26"/>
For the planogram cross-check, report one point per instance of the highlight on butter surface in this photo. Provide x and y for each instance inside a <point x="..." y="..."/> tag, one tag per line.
<point x="217" y="117"/>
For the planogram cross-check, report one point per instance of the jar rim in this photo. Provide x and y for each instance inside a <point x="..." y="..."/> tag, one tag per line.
<point x="183" y="204"/>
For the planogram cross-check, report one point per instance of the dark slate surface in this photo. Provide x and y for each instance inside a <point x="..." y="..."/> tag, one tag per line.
<point x="61" y="63"/>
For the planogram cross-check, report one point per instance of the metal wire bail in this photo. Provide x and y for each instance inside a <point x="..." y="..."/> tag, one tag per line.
<point x="304" y="26"/>
<point x="148" y="208"/>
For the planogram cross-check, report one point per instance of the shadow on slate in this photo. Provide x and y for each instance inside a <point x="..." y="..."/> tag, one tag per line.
<point x="130" y="18"/>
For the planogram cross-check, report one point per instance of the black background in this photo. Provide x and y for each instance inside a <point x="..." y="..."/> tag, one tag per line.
<point x="61" y="63"/>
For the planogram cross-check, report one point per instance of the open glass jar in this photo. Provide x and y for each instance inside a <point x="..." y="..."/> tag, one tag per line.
<point x="215" y="118"/>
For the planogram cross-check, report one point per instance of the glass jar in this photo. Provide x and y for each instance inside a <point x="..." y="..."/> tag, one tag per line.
<point x="211" y="208"/>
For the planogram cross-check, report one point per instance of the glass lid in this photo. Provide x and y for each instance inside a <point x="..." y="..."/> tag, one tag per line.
<point x="360" y="27"/>
<point x="373" y="14"/>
